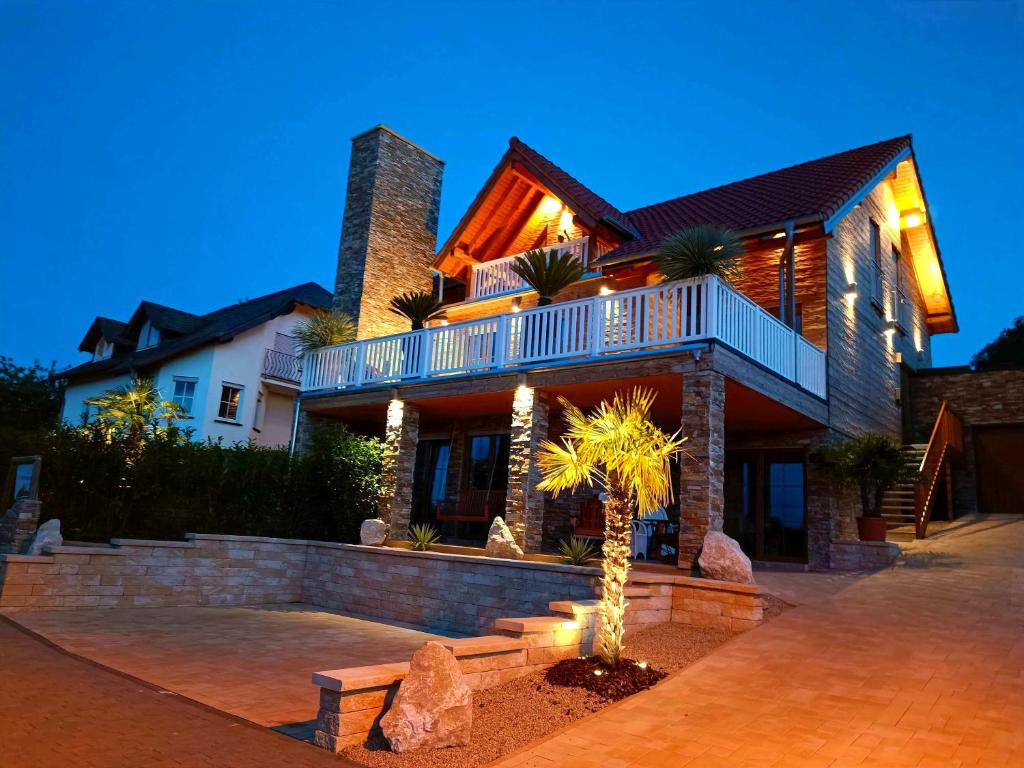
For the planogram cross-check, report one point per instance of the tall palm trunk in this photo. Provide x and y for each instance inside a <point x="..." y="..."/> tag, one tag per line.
<point x="618" y="516"/>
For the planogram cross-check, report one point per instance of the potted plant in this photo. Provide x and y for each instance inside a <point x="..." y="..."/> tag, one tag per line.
<point x="418" y="307"/>
<point x="700" y="252"/>
<point x="547" y="273"/>
<point x="873" y="463"/>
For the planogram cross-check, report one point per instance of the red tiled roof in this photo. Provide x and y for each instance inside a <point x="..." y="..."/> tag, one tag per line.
<point x="591" y="202"/>
<point x="815" y="188"/>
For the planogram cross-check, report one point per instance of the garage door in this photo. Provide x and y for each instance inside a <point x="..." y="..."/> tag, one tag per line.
<point x="999" y="456"/>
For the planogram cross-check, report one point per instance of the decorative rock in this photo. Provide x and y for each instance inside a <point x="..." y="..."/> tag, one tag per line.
<point x="47" y="535"/>
<point x="501" y="542"/>
<point x="721" y="558"/>
<point x="433" y="707"/>
<point x="373" y="532"/>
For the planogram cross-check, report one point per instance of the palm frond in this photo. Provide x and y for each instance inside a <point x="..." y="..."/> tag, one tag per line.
<point x="418" y="307"/>
<point x="548" y="272"/>
<point x="701" y="251"/>
<point x="324" y="329"/>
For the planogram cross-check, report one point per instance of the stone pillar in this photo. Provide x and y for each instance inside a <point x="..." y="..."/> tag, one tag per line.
<point x="524" y="504"/>
<point x="389" y="229"/>
<point x="400" y="438"/>
<point x="702" y="481"/>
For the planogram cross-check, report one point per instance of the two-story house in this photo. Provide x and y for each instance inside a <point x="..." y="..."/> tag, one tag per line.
<point x="233" y="371"/>
<point x="842" y="289"/>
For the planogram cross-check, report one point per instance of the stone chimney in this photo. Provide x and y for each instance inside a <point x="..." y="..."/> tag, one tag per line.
<point x="389" y="230"/>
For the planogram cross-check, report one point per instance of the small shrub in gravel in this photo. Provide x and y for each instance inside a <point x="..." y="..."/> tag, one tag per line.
<point x="610" y="683"/>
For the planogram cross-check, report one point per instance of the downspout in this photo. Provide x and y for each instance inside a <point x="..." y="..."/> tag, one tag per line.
<point x="787" y="280"/>
<point x="295" y="425"/>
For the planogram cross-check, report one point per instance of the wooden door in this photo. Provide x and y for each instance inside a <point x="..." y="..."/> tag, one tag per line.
<point x="999" y="462"/>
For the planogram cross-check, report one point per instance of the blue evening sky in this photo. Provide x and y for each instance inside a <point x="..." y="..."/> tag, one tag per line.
<point x="195" y="154"/>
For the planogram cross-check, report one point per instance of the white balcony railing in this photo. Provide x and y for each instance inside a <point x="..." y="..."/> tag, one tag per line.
<point x="660" y="316"/>
<point x="496" y="278"/>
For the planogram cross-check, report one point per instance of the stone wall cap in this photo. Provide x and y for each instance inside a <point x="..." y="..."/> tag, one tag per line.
<point x="575" y="607"/>
<point x="866" y="544"/>
<point x="152" y="543"/>
<point x="72" y="550"/>
<point x="27" y="559"/>
<point x="251" y="539"/>
<point x="357" y="678"/>
<point x="534" y="565"/>
<point x="696" y="583"/>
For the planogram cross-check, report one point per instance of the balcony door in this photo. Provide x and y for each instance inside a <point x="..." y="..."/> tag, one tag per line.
<point x="765" y="504"/>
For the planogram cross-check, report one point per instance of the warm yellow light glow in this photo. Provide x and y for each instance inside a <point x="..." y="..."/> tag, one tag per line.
<point x="549" y="206"/>
<point x="516" y="305"/>
<point x="395" y="410"/>
<point x="606" y="290"/>
<point x="565" y="220"/>
<point x="912" y="220"/>
<point x="778" y="236"/>
<point x="893" y="215"/>
<point x="851" y="292"/>
<point x="598" y="672"/>
<point x="444" y="322"/>
<point x="642" y="664"/>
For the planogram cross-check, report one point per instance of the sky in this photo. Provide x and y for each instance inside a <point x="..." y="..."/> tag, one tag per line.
<point x="195" y="154"/>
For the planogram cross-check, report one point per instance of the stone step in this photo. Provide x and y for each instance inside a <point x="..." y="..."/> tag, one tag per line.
<point x="535" y="625"/>
<point x="574" y="607"/>
<point x="474" y="646"/>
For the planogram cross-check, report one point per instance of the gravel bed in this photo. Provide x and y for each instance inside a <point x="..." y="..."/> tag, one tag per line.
<point x="510" y="716"/>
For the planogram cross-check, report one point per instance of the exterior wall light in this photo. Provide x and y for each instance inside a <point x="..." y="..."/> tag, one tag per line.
<point x="607" y="286"/>
<point x="912" y="218"/>
<point x="890" y="328"/>
<point x="517" y="304"/>
<point x="851" y="291"/>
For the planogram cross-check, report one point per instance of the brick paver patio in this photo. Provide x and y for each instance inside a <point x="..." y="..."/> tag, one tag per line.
<point x="255" y="663"/>
<point x="921" y="665"/>
<point x="58" y="711"/>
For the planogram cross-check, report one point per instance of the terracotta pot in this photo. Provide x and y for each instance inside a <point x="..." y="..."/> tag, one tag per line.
<point x="872" y="528"/>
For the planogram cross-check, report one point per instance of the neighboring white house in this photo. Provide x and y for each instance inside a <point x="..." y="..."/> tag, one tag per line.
<point x="234" y="370"/>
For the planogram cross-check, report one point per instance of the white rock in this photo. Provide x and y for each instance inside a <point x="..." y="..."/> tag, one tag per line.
<point x="721" y="558"/>
<point x="47" y="535"/>
<point x="433" y="707"/>
<point x="501" y="542"/>
<point x="373" y="532"/>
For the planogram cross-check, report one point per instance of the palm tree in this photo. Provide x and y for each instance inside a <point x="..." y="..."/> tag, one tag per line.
<point x="418" y="307"/>
<point x="619" y="448"/>
<point x="135" y="412"/>
<point x="323" y="329"/>
<point x="700" y="252"/>
<point x="547" y="273"/>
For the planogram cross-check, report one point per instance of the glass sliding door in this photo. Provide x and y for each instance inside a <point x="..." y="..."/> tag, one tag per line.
<point x="765" y="504"/>
<point x="430" y="480"/>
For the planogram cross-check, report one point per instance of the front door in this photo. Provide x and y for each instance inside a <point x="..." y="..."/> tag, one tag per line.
<point x="765" y="504"/>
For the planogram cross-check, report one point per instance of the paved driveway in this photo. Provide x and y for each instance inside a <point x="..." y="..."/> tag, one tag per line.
<point x="921" y="665"/>
<point x="251" y="662"/>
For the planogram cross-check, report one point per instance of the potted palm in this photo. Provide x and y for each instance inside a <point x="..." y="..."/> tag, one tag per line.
<point x="323" y="329"/>
<point x="418" y="307"/>
<point x="620" y="449"/>
<point x="873" y="463"/>
<point x="547" y="273"/>
<point x="700" y="252"/>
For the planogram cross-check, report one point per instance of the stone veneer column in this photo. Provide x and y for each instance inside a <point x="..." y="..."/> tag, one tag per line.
<point x="389" y="229"/>
<point x="702" y="480"/>
<point x="400" y="438"/>
<point x="524" y="505"/>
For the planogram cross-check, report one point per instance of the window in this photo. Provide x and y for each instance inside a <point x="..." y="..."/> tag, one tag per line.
<point x="230" y="400"/>
<point x="900" y="307"/>
<point x="184" y="393"/>
<point x="765" y="505"/>
<point x="104" y="349"/>
<point x="148" y="336"/>
<point x="875" y="244"/>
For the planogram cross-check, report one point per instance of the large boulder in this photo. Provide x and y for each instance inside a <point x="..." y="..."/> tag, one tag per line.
<point x="373" y="532"/>
<point x="47" y="535"/>
<point x="433" y="707"/>
<point x="721" y="558"/>
<point x="501" y="542"/>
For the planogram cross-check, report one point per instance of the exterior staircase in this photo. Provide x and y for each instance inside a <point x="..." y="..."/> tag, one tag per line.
<point x="898" y="503"/>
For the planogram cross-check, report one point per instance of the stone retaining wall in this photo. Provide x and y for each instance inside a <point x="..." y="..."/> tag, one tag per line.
<point x="204" y="570"/>
<point x="863" y="555"/>
<point x="454" y="593"/>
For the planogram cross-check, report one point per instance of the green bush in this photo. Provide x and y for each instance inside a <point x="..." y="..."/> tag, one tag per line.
<point x="101" y="489"/>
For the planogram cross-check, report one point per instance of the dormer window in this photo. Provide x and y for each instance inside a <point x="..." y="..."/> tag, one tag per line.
<point x="148" y="336"/>
<point x="104" y="349"/>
